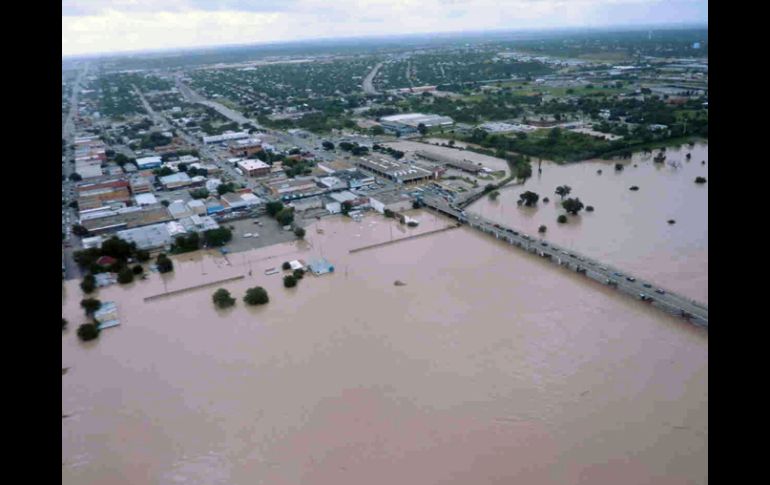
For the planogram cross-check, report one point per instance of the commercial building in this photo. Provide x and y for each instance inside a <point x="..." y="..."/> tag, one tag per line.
<point x="145" y="199"/>
<point x="179" y="209"/>
<point x="228" y="136"/>
<point x="254" y="168"/>
<point x="175" y="181"/>
<point x="111" y="192"/>
<point x="240" y="201"/>
<point x="140" y="184"/>
<point x="394" y="201"/>
<point x="293" y="188"/>
<point x="354" y="178"/>
<point x="395" y="171"/>
<point x="245" y="148"/>
<point x="497" y="127"/>
<point x="464" y="165"/>
<point x="196" y="223"/>
<point x="307" y="203"/>
<point x="415" y="119"/>
<point x="104" y="220"/>
<point x="149" y="162"/>
<point x="150" y="237"/>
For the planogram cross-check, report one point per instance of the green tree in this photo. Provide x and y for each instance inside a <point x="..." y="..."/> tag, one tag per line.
<point x="563" y="190"/>
<point x="327" y="145"/>
<point x="79" y="230"/>
<point x="299" y="232"/>
<point x="561" y="219"/>
<point x="165" y="265"/>
<point x="201" y="193"/>
<point x="700" y="180"/>
<point x="142" y="256"/>
<point x="186" y="243"/>
<point x="222" y="298"/>
<point x="256" y="296"/>
<point x="529" y="198"/>
<point x="572" y="206"/>
<point x="137" y="269"/>
<point x="494" y="195"/>
<point x="90" y="305"/>
<point x="289" y="281"/>
<point x="542" y="229"/>
<point x="217" y="237"/>
<point x="299" y="273"/>
<point x="422" y="129"/>
<point x="223" y="189"/>
<point x="125" y="276"/>
<point x="88" y="285"/>
<point x="63" y="323"/>
<point x="286" y="265"/>
<point x="346" y="206"/>
<point x="285" y="216"/>
<point x="88" y="331"/>
<point x="273" y="208"/>
<point x="75" y="177"/>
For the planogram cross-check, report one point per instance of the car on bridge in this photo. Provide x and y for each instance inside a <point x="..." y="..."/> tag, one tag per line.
<point x="644" y="297"/>
<point x="630" y="278"/>
<point x="658" y="290"/>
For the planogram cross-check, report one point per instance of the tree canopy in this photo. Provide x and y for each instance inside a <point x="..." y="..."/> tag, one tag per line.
<point x="573" y="206"/>
<point x="256" y="296"/>
<point x="529" y="198"/>
<point x="222" y="298"/>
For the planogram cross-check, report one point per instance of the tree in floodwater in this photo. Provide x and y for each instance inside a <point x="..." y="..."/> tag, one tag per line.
<point x="90" y="305"/>
<point x="573" y="206"/>
<point x="222" y="298"/>
<point x="561" y="219"/>
<point x="88" y="331"/>
<point x="563" y="190"/>
<point x="256" y="296"/>
<point x="529" y="198"/>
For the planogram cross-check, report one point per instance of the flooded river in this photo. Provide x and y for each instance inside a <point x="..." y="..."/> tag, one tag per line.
<point x="628" y="229"/>
<point x="489" y="366"/>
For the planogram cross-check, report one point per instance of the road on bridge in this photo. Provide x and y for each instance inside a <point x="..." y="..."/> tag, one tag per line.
<point x="596" y="269"/>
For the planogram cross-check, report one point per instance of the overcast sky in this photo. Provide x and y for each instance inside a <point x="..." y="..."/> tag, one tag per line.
<point x="96" y="26"/>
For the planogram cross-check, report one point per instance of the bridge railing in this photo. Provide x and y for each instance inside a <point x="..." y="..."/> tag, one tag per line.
<point x="488" y="227"/>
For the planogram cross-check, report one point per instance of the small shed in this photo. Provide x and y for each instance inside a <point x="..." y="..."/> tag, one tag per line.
<point x="321" y="266"/>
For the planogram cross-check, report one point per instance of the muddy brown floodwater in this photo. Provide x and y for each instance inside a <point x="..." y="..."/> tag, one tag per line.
<point x="628" y="229"/>
<point x="488" y="366"/>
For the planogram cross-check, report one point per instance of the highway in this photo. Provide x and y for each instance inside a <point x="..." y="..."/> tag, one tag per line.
<point x="695" y="312"/>
<point x="368" y="85"/>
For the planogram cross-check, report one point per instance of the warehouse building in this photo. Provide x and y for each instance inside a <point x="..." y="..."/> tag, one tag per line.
<point x="229" y="136"/>
<point x="395" y="171"/>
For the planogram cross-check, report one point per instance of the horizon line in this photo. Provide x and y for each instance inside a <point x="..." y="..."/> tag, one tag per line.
<point x="170" y="50"/>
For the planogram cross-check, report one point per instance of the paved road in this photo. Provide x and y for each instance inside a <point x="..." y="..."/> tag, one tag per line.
<point x="308" y="143"/>
<point x="368" y="85"/>
<point x="71" y="242"/>
<point x="673" y="303"/>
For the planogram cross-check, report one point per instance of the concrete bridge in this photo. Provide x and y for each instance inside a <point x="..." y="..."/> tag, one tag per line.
<point x="668" y="301"/>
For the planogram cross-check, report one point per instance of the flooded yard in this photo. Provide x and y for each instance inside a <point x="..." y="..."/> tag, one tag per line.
<point x="488" y="365"/>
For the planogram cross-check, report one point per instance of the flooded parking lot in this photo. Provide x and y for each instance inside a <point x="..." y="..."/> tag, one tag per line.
<point x="488" y="366"/>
